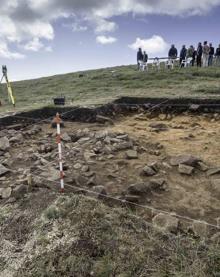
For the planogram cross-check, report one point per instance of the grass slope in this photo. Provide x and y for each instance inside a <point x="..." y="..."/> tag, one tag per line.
<point x="81" y="237"/>
<point x="104" y="85"/>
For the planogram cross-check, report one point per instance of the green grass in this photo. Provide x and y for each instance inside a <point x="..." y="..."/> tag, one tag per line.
<point x="92" y="239"/>
<point x="104" y="85"/>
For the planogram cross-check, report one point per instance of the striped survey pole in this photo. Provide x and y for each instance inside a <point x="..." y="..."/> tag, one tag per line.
<point x="58" y="121"/>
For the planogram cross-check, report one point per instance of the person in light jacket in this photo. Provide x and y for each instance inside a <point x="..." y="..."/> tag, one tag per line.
<point x="205" y="54"/>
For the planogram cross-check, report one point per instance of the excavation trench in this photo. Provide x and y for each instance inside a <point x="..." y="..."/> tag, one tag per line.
<point x="124" y="105"/>
<point x="112" y="155"/>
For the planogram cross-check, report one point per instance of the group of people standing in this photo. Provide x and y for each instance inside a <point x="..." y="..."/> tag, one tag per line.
<point x="202" y="56"/>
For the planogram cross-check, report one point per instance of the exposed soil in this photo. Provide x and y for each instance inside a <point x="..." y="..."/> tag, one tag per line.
<point x="192" y="196"/>
<point x="96" y="155"/>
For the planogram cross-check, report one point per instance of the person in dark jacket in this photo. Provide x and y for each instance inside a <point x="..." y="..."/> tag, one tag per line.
<point x="183" y="55"/>
<point x="199" y="55"/>
<point x="217" y="55"/>
<point x="194" y="56"/>
<point x="140" y="57"/>
<point x="145" y="57"/>
<point x="211" y="54"/>
<point x="173" y="53"/>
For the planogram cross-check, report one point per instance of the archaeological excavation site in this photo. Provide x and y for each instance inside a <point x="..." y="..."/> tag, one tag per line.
<point x="140" y="172"/>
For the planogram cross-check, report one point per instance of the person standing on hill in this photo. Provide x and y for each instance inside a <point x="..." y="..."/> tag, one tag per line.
<point x="173" y="53"/>
<point x="189" y="55"/>
<point x="205" y="54"/>
<point x="199" y="55"/>
<point x="145" y="57"/>
<point x="183" y="55"/>
<point x="217" y="55"/>
<point x="140" y="58"/>
<point x="211" y="54"/>
<point x="194" y="56"/>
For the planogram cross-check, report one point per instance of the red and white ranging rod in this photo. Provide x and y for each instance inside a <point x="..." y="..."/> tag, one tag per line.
<point x="58" y="121"/>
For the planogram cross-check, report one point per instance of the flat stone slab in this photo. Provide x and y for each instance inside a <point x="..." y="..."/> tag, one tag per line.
<point x="213" y="171"/>
<point x="5" y="193"/>
<point x="131" y="154"/>
<point x="4" y="144"/>
<point x="185" y="169"/>
<point x="3" y="170"/>
<point x="184" y="159"/>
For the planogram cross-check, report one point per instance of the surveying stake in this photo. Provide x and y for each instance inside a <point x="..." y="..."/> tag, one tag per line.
<point x="58" y="122"/>
<point x="10" y="93"/>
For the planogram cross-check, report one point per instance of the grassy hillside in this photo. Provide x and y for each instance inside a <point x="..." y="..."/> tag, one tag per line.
<point x="79" y="237"/>
<point x="104" y="85"/>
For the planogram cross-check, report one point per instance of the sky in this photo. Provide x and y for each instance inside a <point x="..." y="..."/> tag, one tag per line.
<point x="48" y="37"/>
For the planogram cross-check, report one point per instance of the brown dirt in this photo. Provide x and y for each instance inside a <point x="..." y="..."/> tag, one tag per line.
<point x="187" y="134"/>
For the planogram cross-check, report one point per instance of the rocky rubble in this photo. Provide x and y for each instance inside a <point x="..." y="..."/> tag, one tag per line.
<point x="166" y="223"/>
<point x="102" y="160"/>
<point x="4" y="144"/>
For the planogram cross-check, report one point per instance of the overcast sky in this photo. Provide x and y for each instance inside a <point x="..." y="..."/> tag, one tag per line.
<point x="47" y="37"/>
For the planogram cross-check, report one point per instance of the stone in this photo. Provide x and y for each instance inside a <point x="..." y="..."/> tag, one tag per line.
<point x="158" y="126"/>
<point x="89" y="155"/>
<point x="101" y="134"/>
<point x="45" y="148"/>
<point x="77" y="166"/>
<point x="66" y="137"/>
<point x="107" y="150"/>
<point x="162" y="116"/>
<point x="92" y="182"/>
<point x="83" y="140"/>
<point x="132" y="198"/>
<point x="3" y="170"/>
<point x="194" y="107"/>
<point x="123" y="137"/>
<point x="124" y="145"/>
<point x="4" y="144"/>
<point x="16" y="139"/>
<point x="19" y="191"/>
<point x="184" y="159"/>
<point x="51" y="174"/>
<point x="169" y="117"/>
<point x="89" y="174"/>
<point x="148" y="171"/>
<point x="81" y="181"/>
<point x="213" y="171"/>
<point x="166" y="165"/>
<point x="5" y="192"/>
<point x="185" y="169"/>
<point x="203" y="167"/>
<point x="154" y="166"/>
<point x="36" y="129"/>
<point x="104" y="119"/>
<point x="131" y="154"/>
<point x="200" y="229"/>
<point x="216" y="115"/>
<point x="166" y="223"/>
<point x="158" y="184"/>
<point x="139" y="188"/>
<point x="38" y="182"/>
<point x="85" y="168"/>
<point x="98" y="192"/>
